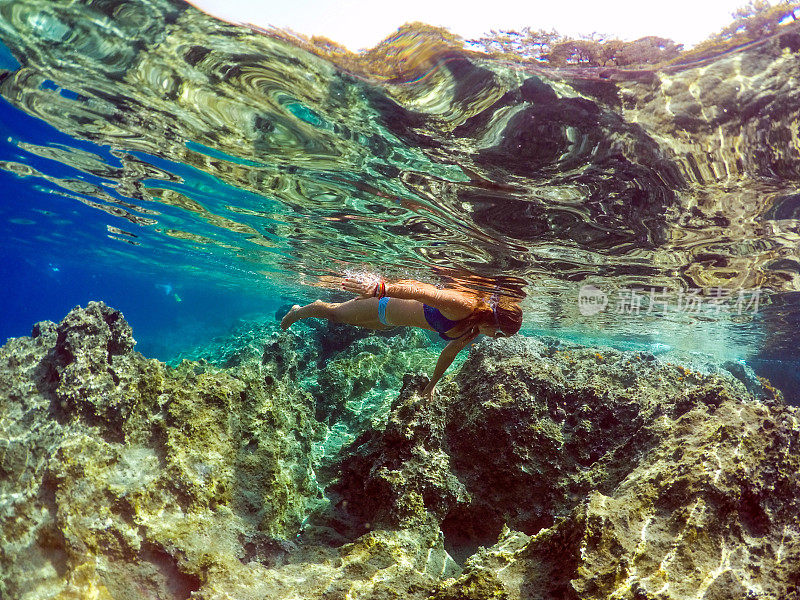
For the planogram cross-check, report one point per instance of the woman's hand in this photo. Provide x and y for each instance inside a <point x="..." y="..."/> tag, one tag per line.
<point x="365" y="290"/>
<point x="429" y="391"/>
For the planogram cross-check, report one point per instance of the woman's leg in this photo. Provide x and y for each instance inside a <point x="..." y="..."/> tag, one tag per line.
<point x="359" y="311"/>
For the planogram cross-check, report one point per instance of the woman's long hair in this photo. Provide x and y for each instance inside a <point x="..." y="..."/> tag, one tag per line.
<point x="504" y="313"/>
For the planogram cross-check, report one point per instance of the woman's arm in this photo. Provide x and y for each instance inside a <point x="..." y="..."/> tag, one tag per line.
<point x="459" y="304"/>
<point x="430" y="294"/>
<point x="446" y="359"/>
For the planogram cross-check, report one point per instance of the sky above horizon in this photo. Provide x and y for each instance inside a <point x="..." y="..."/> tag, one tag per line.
<point x="361" y="24"/>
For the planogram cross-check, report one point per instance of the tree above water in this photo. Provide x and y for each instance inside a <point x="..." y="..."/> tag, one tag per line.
<point x="416" y="47"/>
<point x="759" y="19"/>
<point x="756" y="20"/>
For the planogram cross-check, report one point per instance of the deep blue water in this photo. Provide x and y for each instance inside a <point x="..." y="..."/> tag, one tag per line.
<point x="48" y="266"/>
<point x="45" y="286"/>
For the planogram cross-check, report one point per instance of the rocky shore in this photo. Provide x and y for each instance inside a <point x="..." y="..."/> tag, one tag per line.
<point x="287" y="468"/>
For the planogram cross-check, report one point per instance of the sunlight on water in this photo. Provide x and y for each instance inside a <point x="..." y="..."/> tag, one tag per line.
<point x="222" y="153"/>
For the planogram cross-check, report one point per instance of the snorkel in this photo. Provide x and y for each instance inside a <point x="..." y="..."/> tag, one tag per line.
<point x="493" y="302"/>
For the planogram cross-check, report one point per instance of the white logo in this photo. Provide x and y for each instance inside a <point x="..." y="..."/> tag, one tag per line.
<point x="591" y="300"/>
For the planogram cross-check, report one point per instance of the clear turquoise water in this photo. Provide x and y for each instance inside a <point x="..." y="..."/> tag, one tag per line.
<point x="192" y="173"/>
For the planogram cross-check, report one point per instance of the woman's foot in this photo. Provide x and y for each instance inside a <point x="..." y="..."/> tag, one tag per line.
<point x="290" y="317"/>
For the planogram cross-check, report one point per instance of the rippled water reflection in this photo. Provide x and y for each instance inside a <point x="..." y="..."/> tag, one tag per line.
<point x="226" y="151"/>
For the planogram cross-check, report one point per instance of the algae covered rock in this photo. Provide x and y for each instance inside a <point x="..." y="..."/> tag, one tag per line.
<point x="351" y="373"/>
<point x="625" y="477"/>
<point x="400" y="476"/>
<point x="114" y="461"/>
<point x="558" y="471"/>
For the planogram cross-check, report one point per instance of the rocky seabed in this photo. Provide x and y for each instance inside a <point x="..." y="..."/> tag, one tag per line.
<point x="292" y="469"/>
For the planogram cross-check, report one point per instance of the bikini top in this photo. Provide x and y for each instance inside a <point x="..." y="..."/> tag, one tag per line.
<point x="440" y="323"/>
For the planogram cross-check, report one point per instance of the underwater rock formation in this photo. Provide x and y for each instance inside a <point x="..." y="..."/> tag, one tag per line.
<point x="541" y="470"/>
<point x="118" y="472"/>
<point x="347" y="370"/>
<point x="604" y="475"/>
<point x="614" y="475"/>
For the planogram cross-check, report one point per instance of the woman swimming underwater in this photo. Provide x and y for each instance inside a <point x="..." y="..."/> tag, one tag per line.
<point x="457" y="316"/>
